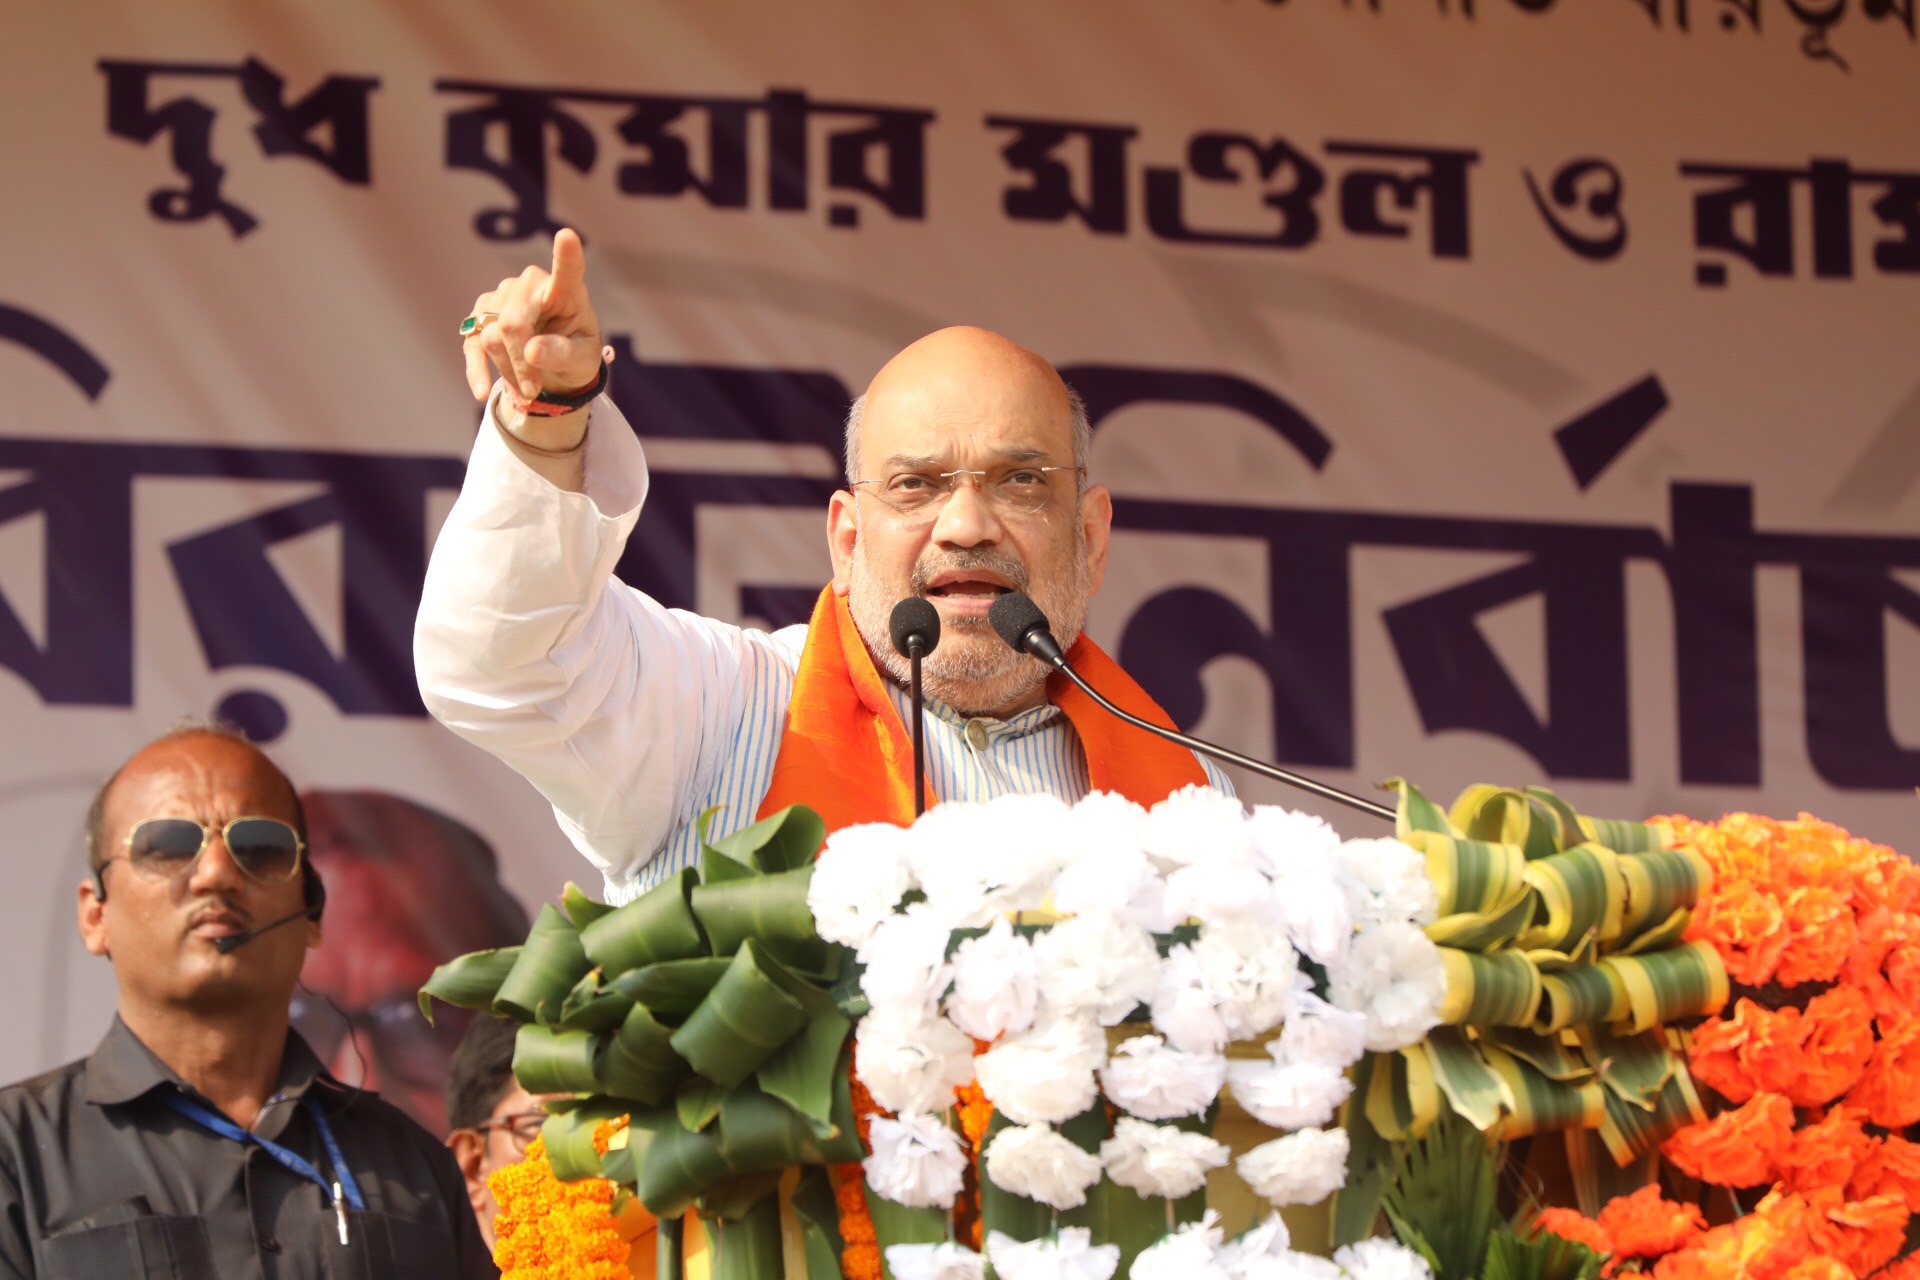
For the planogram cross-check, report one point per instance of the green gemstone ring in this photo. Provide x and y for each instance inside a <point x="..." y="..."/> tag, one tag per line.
<point x="476" y="322"/>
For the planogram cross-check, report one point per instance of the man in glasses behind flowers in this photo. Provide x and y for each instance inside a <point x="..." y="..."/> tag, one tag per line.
<point x="203" y="1138"/>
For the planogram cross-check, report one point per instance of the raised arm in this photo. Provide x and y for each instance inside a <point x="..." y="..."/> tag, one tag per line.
<point x="615" y="707"/>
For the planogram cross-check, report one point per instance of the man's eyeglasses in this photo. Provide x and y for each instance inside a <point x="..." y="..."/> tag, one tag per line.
<point x="521" y="1128"/>
<point x="265" y="849"/>
<point x="1019" y="490"/>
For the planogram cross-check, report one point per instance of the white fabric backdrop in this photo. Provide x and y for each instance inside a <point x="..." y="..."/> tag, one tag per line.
<point x="229" y="431"/>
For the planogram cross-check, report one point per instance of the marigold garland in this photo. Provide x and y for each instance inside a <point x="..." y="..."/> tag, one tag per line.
<point x="1818" y="1061"/>
<point x="860" y="1252"/>
<point x="551" y="1230"/>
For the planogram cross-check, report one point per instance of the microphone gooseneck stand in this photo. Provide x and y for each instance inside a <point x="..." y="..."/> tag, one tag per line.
<point x="915" y="625"/>
<point x="1024" y="627"/>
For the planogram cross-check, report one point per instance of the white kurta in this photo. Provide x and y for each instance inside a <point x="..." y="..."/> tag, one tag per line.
<point x="632" y="719"/>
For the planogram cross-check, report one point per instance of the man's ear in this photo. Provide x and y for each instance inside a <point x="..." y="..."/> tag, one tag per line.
<point x="92" y="920"/>
<point x="470" y="1152"/>
<point x="843" y="533"/>
<point x="1096" y="527"/>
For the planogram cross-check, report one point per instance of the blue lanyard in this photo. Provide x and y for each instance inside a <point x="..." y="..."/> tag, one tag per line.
<point x="343" y="1177"/>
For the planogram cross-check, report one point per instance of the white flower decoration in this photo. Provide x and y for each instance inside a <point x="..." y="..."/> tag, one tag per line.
<point x="1301" y="1168"/>
<point x="1298" y="1095"/>
<point x="1288" y="1266"/>
<point x="858" y="879"/>
<point x="1286" y="841"/>
<point x="1197" y="824"/>
<point x="1386" y="880"/>
<point x="1312" y="904"/>
<point x="1183" y="1009"/>
<point x="980" y="861"/>
<point x="1035" y="1162"/>
<point x="1071" y="1255"/>
<point x="1316" y="1031"/>
<point x="947" y="1261"/>
<point x="906" y="962"/>
<point x="1045" y="1075"/>
<point x="1267" y="1239"/>
<point x="911" y="1063"/>
<point x="1106" y="869"/>
<point x="1188" y="1253"/>
<point x="1394" y="976"/>
<point x="995" y="987"/>
<point x="1160" y="1161"/>
<point x="1096" y="965"/>
<point x="1148" y="1078"/>
<point x="917" y="1161"/>
<point x="1249" y="969"/>
<point x="1381" y="1260"/>
<point x="1218" y="891"/>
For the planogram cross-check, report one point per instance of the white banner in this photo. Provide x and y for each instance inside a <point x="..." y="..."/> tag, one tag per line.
<point x="1492" y="390"/>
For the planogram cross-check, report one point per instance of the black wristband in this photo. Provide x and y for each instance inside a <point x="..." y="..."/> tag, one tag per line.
<point x="585" y="397"/>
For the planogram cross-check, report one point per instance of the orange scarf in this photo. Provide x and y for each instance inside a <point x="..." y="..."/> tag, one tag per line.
<point x="846" y="753"/>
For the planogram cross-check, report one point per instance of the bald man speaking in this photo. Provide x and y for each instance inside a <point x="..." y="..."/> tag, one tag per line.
<point x="966" y="479"/>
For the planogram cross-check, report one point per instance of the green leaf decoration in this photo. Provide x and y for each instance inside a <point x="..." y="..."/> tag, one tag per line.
<point x="658" y="925"/>
<point x="545" y="972"/>
<point x="770" y="909"/>
<point x="1441" y="1197"/>
<point x="807" y="1071"/>
<point x="698" y="1103"/>
<point x="1542" y="1103"/>
<point x="1582" y="894"/>
<point x="1543" y="1256"/>
<point x="748" y="1248"/>
<point x="550" y="1061"/>
<point x="1476" y="1091"/>
<point x="1500" y="989"/>
<point x="673" y="988"/>
<point x="745" y="1020"/>
<point x="898" y="1224"/>
<point x="1415" y="812"/>
<point x="758" y="1131"/>
<point x="639" y="1061"/>
<point x="581" y="910"/>
<point x="1356" y="1205"/>
<point x="589" y="1008"/>
<point x="819" y="1214"/>
<point x="470" y="981"/>
<point x="780" y="842"/>
<point x="732" y="1199"/>
<point x="568" y="1136"/>
<point x="679" y="1167"/>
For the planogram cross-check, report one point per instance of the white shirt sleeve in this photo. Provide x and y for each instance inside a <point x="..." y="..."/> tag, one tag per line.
<point x="614" y="706"/>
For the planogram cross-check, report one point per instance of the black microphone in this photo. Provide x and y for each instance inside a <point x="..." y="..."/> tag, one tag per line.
<point x="1024" y="627"/>
<point x="916" y="630"/>
<point x="235" y="940"/>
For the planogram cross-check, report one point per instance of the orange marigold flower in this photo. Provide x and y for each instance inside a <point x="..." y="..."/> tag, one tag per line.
<point x="1864" y="1234"/>
<point x="1892" y="1167"/>
<point x="1838" y="1046"/>
<point x="1747" y="925"/>
<point x="1819" y="1266"/>
<point x="1825" y="1155"/>
<point x="549" y="1230"/>
<point x="1907" y="1268"/>
<point x="1890" y="1086"/>
<point x="1644" y="1225"/>
<point x="1737" y="1148"/>
<point x="1887" y="942"/>
<point x="1571" y="1224"/>
<point x="1756" y="1050"/>
<point x="1751" y="1248"/>
<point x="1821" y="923"/>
